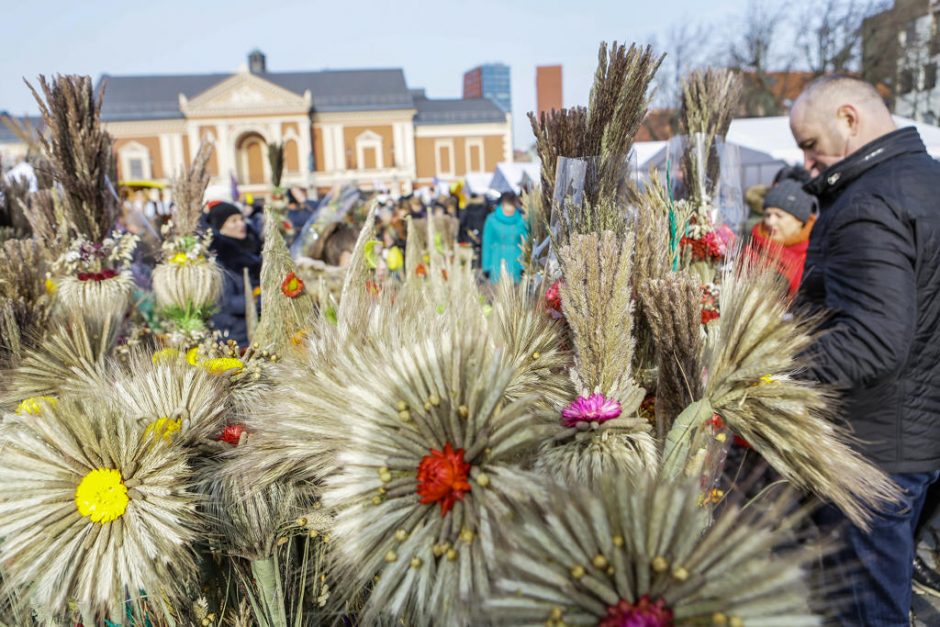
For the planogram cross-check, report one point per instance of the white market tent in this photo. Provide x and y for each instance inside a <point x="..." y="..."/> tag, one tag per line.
<point x="477" y="182"/>
<point x="773" y="136"/>
<point x="644" y="151"/>
<point x="756" y="166"/>
<point x="513" y="177"/>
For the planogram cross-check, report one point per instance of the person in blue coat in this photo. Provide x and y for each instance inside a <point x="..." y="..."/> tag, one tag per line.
<point x="504" y="233"/>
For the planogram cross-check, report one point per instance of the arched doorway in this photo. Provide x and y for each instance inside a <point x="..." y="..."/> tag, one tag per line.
<point x="252" y="152"/>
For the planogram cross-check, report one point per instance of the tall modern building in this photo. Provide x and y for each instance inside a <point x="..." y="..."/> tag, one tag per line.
<point x="548" y="88"/>
<point x="491" y="81"/>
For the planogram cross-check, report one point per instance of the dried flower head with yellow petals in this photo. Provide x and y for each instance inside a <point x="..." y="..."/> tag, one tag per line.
<point x="222" y="365"/>
<point x="90" y="509"/>
<point x="33" y="405"/>
<point x="101" y="496"/>
<point x="169" y="398"/>
<point x="164" y="428"/>
<point x="165" y="355"/>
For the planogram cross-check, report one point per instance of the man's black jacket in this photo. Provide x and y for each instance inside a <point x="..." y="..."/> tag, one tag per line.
<point x="873" y="266"/>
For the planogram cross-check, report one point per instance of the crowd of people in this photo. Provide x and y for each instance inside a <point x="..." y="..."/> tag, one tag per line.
<point x="491" y="229"/>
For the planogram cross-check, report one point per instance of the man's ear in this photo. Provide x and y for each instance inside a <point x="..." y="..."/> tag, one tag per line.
<point x="849" y="115"/>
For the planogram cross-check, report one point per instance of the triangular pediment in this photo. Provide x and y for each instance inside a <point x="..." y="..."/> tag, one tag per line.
<point x="245" y="94"/>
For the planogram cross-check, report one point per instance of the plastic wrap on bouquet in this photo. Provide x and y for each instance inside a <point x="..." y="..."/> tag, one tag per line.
<point x="705" y="202"/>
<point x="591" y="194"/>
<point x="729" y="197"/>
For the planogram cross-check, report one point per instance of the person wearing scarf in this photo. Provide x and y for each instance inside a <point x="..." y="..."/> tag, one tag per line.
<point x="782" y="237"/>
<point x="237" y="247"/>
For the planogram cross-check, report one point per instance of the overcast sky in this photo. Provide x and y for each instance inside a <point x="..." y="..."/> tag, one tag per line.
<point x="434" y="42"/>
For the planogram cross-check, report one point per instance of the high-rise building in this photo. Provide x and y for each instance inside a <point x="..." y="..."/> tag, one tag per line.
<point x="491" y="81"/>
<point x="548" y="88"/>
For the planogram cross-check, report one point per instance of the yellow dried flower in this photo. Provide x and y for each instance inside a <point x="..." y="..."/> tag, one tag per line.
<point x="165" y="355"/>
<point x="102" y="496"/>
<point x="164" y="428"/>
<point x="33" y="405"/>
<point x="222" y="365"/>
<point x="192" y="356"/>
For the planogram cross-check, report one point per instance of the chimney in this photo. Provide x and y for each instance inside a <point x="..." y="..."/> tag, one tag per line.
<point x="257" y="63"/>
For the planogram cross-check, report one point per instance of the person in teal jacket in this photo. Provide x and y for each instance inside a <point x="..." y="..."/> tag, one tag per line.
<point x="504" y="233"/>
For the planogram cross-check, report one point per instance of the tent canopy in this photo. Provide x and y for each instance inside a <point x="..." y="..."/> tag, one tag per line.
<point x="773" y="136"/>
<point x="757" y="166"/>
<point x="513" y="177"/>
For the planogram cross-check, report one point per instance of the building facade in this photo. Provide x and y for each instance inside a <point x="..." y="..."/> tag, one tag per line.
<point x="347" y="126"/>
<point x="491" y="81"/>
<point x="901" y="50"/>
<point x="548" y="88"/>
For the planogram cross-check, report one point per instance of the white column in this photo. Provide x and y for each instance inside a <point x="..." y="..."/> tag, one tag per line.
<point x="166" y="157"/>
<point x="398" y="136"/>
<point x="177" y="142"/>
<point x="326" y="131"/>
<point x="192" y="138"/>
<point x="305" y="149"/>
<point x="226" y="153"/>
<point x="408" y="131"/>
<point x="339" y="146"/>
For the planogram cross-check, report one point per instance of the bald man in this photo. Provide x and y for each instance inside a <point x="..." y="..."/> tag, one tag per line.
<point x="873" y="267"/>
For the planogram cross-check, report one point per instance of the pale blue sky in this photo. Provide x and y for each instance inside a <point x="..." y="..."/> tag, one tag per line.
<point x="433" y="41"/>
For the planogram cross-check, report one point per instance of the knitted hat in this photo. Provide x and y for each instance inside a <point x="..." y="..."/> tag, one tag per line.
<point x="788" y="195"/>
<point x="219" y="212"/>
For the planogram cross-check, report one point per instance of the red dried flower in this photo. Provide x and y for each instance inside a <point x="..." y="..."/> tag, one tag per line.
<point x="421" y="271"/>
<point x="104" y="275"/>
<point x="716" y="421"/>
<point x="442" y="477"/>
<point x="712" y="246"/>
<point x="373" y="288"/>
<point x="644" y="613"/>
<point x="708" y="315"/>
<point x="232" y="434"/>
<point x="292" y="286"/>
<point x="553" y="296"/>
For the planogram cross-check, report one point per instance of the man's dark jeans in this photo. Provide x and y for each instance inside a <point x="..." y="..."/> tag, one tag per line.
<point x="873" y="570"/>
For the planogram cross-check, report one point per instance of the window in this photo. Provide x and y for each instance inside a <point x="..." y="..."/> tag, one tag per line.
<point x="136" y="168"/>
<point x="930" y="76"/>
<point x="474" y="155"/>
<point x="134" y="159"/>
<point x="368" y="158"/>
<point x="444" y="157"/>
<point x="291" y="157"/>
<point x="906" y="81"/>
<point x="369" y="151"/>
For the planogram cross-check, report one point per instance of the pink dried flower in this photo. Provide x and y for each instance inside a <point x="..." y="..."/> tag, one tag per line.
<point x="593" y="408"/>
